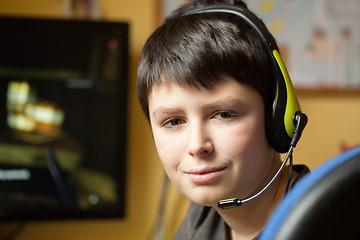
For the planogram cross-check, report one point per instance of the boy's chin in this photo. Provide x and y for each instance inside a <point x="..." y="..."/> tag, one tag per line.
<point x="204" y="201"/>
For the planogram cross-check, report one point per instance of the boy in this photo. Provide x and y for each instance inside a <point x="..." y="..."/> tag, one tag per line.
<point x="206" y="86"/>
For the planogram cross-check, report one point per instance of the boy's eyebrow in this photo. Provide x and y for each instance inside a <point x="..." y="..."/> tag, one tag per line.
<point x="224" y="102"/>
<point x="166" y="111"/>
<point x="216" y="104"/>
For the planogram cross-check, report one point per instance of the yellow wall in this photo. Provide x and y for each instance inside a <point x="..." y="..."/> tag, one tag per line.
<point x="333" y="118"/>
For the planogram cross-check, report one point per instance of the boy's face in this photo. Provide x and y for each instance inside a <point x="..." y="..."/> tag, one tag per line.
<point x="212" y="143"/>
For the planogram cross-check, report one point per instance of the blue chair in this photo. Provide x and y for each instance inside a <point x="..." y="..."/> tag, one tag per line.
<point x="324" y="204"/>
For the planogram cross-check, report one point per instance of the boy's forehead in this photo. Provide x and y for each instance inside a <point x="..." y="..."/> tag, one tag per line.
<point x="225" y="89"/>
<point x="165" y="88"/>
<point x="171" y="99"/>
<point x="189" y="82"/>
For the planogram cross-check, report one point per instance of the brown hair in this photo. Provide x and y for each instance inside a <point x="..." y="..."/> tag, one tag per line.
<point x="198" y="50"/>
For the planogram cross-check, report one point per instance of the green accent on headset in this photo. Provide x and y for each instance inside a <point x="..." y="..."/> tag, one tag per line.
<point x="292" y="104"/>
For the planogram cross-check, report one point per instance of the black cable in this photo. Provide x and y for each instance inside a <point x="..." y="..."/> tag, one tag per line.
<point x="290" y="174"/>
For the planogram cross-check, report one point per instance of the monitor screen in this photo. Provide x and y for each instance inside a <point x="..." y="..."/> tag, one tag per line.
<point x="63" y="110"/>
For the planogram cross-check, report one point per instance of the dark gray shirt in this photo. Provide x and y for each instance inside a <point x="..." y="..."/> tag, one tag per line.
<point x="204" y="223"/>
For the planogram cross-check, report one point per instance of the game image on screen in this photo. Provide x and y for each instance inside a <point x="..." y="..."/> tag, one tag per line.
<point x="63" y="110"/>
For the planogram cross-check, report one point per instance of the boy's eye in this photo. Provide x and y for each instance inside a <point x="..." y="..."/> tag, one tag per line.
<point x="225" y="115"/>
<point x="172" y="123"/>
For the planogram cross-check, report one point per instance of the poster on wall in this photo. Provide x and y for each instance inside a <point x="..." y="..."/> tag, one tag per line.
<point x="319" y="38"/>
<point x="169" y="5"/>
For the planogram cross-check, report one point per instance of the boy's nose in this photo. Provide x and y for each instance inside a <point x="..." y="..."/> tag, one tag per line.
<point x="200" y="144"/>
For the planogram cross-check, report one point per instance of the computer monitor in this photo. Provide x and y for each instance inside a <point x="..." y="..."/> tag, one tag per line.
<point x="63" y="112"/>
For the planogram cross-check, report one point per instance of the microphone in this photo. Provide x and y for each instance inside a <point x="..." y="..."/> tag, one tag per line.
<point x="300" y="121"/>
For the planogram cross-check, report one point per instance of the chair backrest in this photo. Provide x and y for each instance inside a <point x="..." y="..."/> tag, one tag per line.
<point x="324" y="204"/>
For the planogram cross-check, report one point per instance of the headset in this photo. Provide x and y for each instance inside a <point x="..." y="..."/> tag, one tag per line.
<point x="280" y="114"/>
<point x="284" y="119"/>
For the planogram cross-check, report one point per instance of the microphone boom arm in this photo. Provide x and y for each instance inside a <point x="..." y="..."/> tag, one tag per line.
<point x="300" y="121"/>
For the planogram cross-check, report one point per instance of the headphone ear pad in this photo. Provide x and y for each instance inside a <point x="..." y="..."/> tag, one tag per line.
<point x="280" y="115"/>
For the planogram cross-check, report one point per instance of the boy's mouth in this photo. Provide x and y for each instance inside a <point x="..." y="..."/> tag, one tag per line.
<point x="203" y="176"/>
